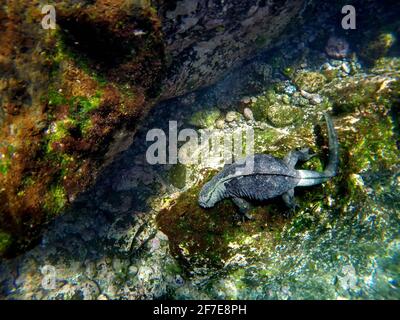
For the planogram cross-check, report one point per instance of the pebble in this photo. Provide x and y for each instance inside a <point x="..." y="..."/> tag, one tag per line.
<point x="248" y="114"/>
<point x="285" y="99"/>
<point x="346" y="67"/>
<point x="314" y="98"/>
<point x="231" y="116"/>
<point x="220" y="124"/>
<point x="246" y="100"/>
<point x="133" y="270"/>
<point x="290" y="89"/>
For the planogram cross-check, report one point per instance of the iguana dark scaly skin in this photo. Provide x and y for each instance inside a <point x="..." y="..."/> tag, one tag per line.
<point x="270" y="178"/>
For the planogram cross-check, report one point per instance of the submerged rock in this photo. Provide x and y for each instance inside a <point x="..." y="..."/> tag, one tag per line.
<point x="283" y="115"/>
<point x="337" y="48"/>
<point x="135" y="237"/>
<point x="248" y="114"/>
<point x="232" y="116"/>
<point x="212" y="38"/>
<point x="309" y="81"/>
<point x="377" y="47"/>
<point x="205" y="119"/>
<point x="72" y="98"/>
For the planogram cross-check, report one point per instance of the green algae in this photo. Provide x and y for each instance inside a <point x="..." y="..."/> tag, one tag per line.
<point x="260" y="106"/>
<point x="208" y="238"/>
<point x="79" y="116"/>
<point x="62" y="53"/>
<point x="283" y="115"/>
<point x="276" y="109"/>
<point x="366" y="148"/>
<point x="351" y="94"/>
<point x="309" y="81"/>
<point x="4" y="165"/>
<point x="378" y="47"/>
<point x="6" y="157"/>
<point x="5" y="241"/>
<point x="264" y="139"/>
<point x="177" y="176"/>
<point x="56" y="200"/>
<point x="205" y="119"/>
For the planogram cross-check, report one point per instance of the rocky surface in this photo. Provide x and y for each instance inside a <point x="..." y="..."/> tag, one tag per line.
<point x="205" y="39"/>
<point x="140" y="234"/>
<point x="71" y="99"/>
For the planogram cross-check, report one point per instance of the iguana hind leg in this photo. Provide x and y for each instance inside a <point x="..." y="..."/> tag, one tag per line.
<point x="244" y="207"/>
<point x="289" y="199"/>
<point x="297" y="155"/>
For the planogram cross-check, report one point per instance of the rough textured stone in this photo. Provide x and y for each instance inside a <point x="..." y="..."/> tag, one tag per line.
<point x="71" y="99"/>
<point x="206" y="39"/>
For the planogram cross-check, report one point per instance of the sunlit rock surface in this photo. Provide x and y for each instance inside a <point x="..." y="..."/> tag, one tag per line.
<point x="139" y="233"/>
<point x="72" y="98"/>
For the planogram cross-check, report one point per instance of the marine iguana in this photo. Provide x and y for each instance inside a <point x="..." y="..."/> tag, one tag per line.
<point x="271" y="177"/>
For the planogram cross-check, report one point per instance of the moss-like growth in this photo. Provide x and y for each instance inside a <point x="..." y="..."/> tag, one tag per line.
<point x="378" y="47"/>
<point x="330" y="73"/>
<point x="283" y="115"/>
<point x="309" y="81"/>
<point x="205" y="238"/>
<point x="374" y="147"/>
<point x="6" y="153"/>
<point x="205" y="119"/>
<point x="55" y="200"/>
<point x="177" y="176"/>
<point x="5" y="242"/>
<point x="262" y="103"/>
<point x="350" y="94"/>
<point x="66" y="99"/>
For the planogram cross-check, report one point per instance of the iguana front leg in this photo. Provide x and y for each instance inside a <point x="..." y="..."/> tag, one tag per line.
<point x="290" y="202"/>
<point x="297" y="155"/>
<point x="289" y="199"/>
<point x="244" y="207"/>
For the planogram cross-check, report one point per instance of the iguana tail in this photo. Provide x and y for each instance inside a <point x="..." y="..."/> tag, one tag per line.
<point x="333" y="164"/>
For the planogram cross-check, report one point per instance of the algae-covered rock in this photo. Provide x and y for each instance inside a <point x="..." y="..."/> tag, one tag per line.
<point x="177" y="176"/>
<point x="309" y="81"/>
<point x="354" y="92"/>
<point x="206" y="118"/>
<point x="232" y="116"/>
<point x="64" y="103"/>
<point x="378" y="47"/>
<point x="330" y="73"/>
<point x="204" y="41"/>
<point x="283" y="115"/>
<point x="276" y="108"/>
<point x="5" y="242"/>
<point x="260" y="106"/>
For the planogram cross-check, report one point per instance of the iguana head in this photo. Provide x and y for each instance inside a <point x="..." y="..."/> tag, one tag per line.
<point x="211" y="193"/>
